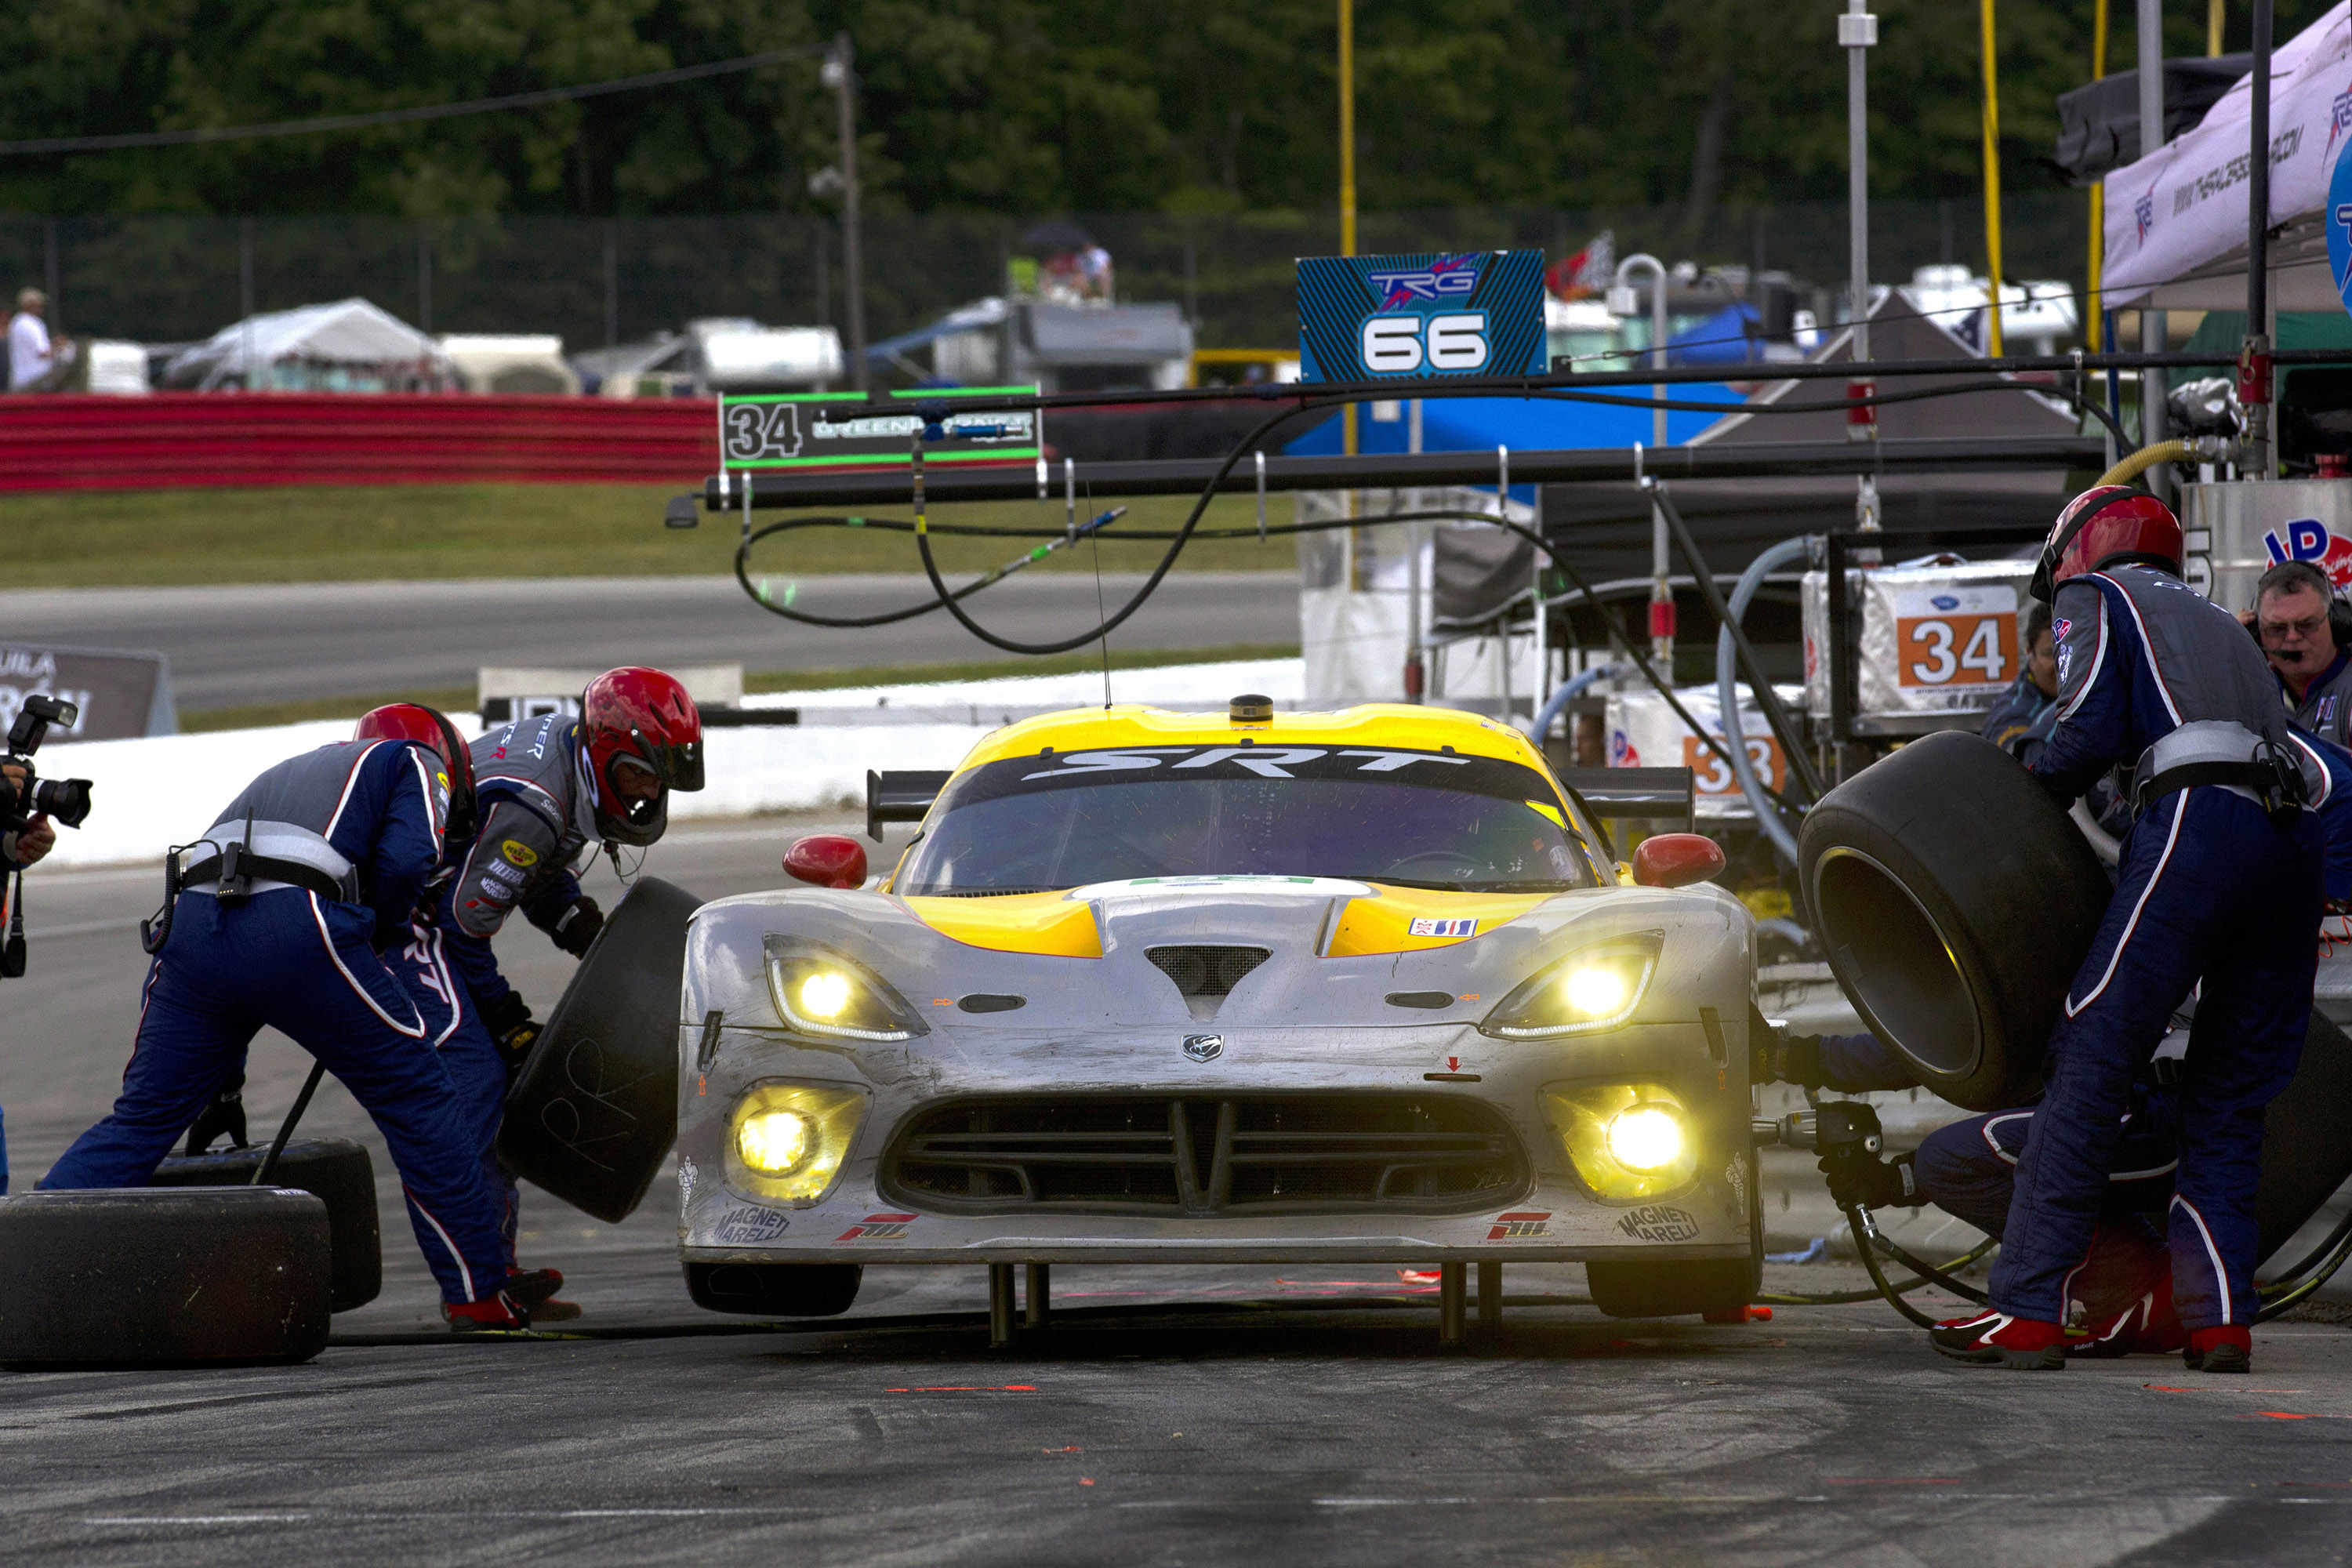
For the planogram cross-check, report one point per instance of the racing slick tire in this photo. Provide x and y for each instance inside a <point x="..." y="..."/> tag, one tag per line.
<point x="336" y="1170"/>
<point x="2306" y="1154"/>
<point x="162" y="1277"/>
<point x="774" y="1290"/>
<point x="594" y="1109"/>
<point x="1644" y="1289"/>
<point x="1954" y="900"/>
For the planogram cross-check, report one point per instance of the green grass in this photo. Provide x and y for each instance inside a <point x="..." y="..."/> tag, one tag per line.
<point x="321" y="533"/>
<point x="461" y="697"/>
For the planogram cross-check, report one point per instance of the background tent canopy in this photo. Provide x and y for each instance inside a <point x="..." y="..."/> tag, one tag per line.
<point x="346" y="332"/>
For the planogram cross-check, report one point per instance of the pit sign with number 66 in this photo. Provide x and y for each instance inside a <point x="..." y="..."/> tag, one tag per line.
<point x="1955" y="637"/>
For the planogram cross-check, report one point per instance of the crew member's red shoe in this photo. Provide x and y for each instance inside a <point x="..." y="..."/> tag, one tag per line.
<point x="2022" y="1344"/>
<point x="2148" y="1327"/>
<point x="2225" y="1347"/>
<point x="534" y="1290"/>
<point x="487" y="1316"/>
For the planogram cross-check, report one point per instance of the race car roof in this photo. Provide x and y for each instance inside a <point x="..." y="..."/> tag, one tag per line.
<point x="1388" y="723"/>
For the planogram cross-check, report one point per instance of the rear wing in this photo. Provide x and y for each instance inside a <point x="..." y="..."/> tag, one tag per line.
<point x="903" y="796"/>
<point x="1655" y="793"/>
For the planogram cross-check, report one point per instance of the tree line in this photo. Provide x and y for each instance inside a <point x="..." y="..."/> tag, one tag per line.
<point x="1035" y="106"/>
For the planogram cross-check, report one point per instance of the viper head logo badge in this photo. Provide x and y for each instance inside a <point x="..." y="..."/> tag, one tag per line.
<point x="1204" y="1047"/>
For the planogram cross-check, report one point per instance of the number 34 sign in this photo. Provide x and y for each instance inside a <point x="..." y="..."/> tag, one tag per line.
<point x="1956" y="637"/>
<point x="1430" y="313"/>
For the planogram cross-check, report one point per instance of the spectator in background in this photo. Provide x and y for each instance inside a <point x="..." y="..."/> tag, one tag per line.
<point x="1094" y="272"/>
<point x="35" y="362"/>
<point x="2028" y="700"/>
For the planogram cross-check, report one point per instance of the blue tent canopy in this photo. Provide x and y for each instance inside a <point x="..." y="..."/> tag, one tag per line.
<point x="1529" y="424"/>
<point x="1725" y="338"/>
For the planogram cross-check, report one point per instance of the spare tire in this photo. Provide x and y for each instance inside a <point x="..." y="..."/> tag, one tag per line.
<point x="594" y="1111"/>
<point x="336" y="1170"/>
<point x="1956" y="900"/>
<point x="2306" y="1153"/>
<point x="162" y="1277"/>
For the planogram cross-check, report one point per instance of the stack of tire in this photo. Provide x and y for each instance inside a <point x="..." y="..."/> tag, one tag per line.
<point x="198" y="1268"/>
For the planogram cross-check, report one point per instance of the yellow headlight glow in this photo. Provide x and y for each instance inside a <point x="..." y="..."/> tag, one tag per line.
<point x="1645" y="1138"/>
<point x="1595" y="990"/>
<point x="1626" y="1141"/>
<point x="785" y="1141"/>
<point x="825" y="994"/>
<point x="774" y="1143"/>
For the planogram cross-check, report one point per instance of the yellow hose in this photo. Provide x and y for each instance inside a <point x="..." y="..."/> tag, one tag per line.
<point x="2146" y="458"/>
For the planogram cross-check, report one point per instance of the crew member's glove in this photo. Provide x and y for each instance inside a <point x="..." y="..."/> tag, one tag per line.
<point x="224" y="1115"/>
<point x="511" y="1030"/>
<point x="1775" y="1056"/>
<point x="577" y="926"/>
<point x="1865" y="1180"/>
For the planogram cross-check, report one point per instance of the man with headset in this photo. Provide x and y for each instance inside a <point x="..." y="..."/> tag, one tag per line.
<point x="2219" y="887"/>
<point x="2299" y="622"/>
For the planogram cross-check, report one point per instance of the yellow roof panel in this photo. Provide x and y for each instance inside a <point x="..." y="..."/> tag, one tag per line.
<point x="1374" y="724"/>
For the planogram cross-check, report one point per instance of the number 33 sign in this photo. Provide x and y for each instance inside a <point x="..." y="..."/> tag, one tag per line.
<point x="1430" y="313"/>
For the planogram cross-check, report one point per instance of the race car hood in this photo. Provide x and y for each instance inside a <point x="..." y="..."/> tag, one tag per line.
<point x="1337" y="952"/>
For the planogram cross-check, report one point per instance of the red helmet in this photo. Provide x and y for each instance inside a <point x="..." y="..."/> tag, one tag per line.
<point x="640" y="720"/>
<point x="430" y="729"/>
<point x="2102" y="523"/>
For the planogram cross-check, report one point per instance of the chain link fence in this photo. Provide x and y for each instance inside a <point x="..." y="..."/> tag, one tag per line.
<point x="596" y="282"/>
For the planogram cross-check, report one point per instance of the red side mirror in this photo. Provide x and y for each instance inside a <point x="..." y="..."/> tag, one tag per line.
<point x="1668" y="859"/>
<point x="833" y="861"/>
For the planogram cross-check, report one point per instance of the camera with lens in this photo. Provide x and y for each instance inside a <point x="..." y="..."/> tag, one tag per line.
<point x="65" y="800"/>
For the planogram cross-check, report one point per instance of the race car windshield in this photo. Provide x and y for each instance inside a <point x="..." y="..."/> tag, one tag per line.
<point x="1424" y="820"/>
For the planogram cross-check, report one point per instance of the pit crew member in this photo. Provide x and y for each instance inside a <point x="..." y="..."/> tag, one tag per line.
<point x="2219" y="884"/>
<point x="545" y="787"/>
<point x="2033" y="692"/>
<point x="277" y="916"/>
<point x="2294" y="616"/>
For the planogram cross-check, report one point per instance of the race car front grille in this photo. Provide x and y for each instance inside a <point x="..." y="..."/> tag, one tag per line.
<point x="1256" y="1154"/>
<point x="1205" y="971"/>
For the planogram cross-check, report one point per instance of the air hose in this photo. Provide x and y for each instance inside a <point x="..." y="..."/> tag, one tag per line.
<point x="2146" y="458"/>
<point x="1727" y="692"/>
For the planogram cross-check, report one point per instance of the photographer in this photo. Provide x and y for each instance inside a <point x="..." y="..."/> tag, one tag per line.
<point x="24" y="846"/>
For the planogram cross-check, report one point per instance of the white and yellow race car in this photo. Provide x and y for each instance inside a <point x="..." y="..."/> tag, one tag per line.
<point x="1353" y="987"/>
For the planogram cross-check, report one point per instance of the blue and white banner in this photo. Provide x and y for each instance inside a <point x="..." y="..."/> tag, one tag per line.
<point x="1429" y="313"/>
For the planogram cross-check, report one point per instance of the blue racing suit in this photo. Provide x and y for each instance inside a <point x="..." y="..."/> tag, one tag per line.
<point x="532" y="829"/>
<point x="1967" y="1167"/>
<point x="2210" y="889"/>
<point x="347" y="836"/>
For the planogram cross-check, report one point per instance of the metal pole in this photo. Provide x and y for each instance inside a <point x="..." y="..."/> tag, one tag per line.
<point x="1857" y="34"/>
<point x="1452" y="1286"/>
<point x="423" y="279"/>
<point x="1416" y="678"/>
<point x="2094" y="319"/>
<point x="1490" y="1290"/>
<point x="2253" y="358"/>
<point x="840" y="76"/>
<point x="1623" y="302"/>
<point x="1991" y="178"/>
<point x="2152" y="318"/>
<point x="2213" y="29"/>
<point x="1348" y="183"/>
<point x="51" y="281"/>
<point x="612" y="284"/>
<point x="244" y="294"/>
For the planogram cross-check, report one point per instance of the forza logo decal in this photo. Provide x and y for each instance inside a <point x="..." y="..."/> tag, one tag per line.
<point x="877" y="1228"/>
<point x="1444" y="928"/>
<point x="1655" y="1222"/>
<point x="521" y="855"/>
<point x="1527" y="1227"/>
<point x="750" y="1226"/>
<point x="1204" y="1047"/>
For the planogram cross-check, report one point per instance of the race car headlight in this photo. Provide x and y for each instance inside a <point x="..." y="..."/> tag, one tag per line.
<point x="1591" y="989"/>
<point x="1626" y="1140"/>
<point x="820" y="991"/>
<point x="785" y="1141"/>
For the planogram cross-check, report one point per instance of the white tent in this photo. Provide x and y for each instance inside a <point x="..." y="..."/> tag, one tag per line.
<point x="348" y="345"/>
<point x="2176" y="220"/>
